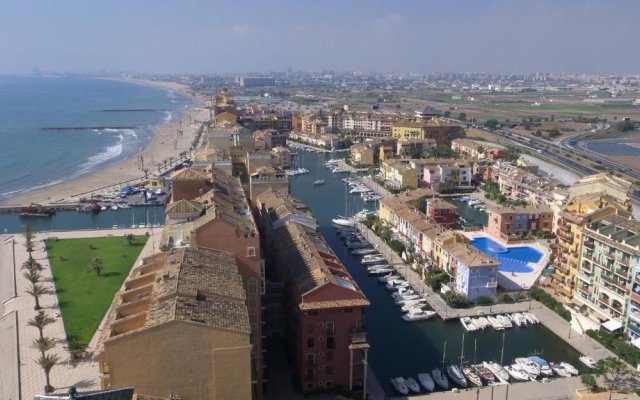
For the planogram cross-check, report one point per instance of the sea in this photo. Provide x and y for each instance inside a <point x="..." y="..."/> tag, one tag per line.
<point x="55" y="129"/>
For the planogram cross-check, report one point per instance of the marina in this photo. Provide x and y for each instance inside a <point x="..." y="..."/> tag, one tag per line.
<point x="401" y="349"/>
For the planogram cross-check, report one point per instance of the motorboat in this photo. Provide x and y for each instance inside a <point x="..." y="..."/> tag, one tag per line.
<point x="516" y="373"/>
<point x="481" y="322"/>
<point x="401" y="299"/>
<point x="588" y="361"/>
<point x="380" y="270"/>
<point x="418" y="303"/>
<point x="531" y="318"/>
<point x="36" y="210"/>
<point x="413" y="385"/>
<point x="505" y="321"/>
<point x="342" y="221"/>
<point x="400" y="385"/>
<point x="497" y="370"/>
<point x="318" y="182"/>
<point x="545" y="369"/>
<point x="528" y="366"/>
<point x="472" y="376"/>
<point x="572" y="370"/>
<point x="484" y="373"/>
<point x="357" y="244"/>
<point x="364" y="251"/>
<point x="559" y="370"/>
<point x="388" y="278"/>
<point x="114" y="207"/>
<point x="440" y="379"/>
<point x="426" y="381"/>
<point x="495" y="323"/>
<point x="456" y="375"/>
<point x="468" y="324"/>
<point x="375" y="259"/>
<point x="396" y="284"/>
<point x="417" y="314"/>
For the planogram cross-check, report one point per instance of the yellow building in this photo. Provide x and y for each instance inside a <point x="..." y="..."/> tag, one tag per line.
<point x="386" y="152"/>
<point x="398" y="175"/>
<point x="179" y="328"/>
<point x="439" y="130"/>
<point x="362" y="154"/>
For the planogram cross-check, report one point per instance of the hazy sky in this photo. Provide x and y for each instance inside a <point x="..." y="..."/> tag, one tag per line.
<point x="367" y="35"/>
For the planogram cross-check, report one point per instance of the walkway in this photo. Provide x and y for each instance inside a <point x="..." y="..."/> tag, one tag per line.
<point x="375" y="186"/>
<point x="85" y="375"/>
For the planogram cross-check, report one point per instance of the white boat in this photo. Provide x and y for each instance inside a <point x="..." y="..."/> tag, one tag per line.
<point x="516" y="373"/>
<point x="588" y="361"/>
<point x="440" y="379"/>
<point x="342" y="221"/>
<point x="396" y="284"/>
<point x="456" y="375"/>
<point x="372" y="260"/>
<point x="559" y="370"/>
<point x="468" y="324"/>
<point x="378" y="270"/>
<point x="531" y="318"/>
<point x="532" y="369"/>
<point x="413" y="385"/>
<point x="388" y="278"/>
<point x="572" y="370"/>
<point x="400" y="385"/>
<point x="123" y="205"/>
<point x="318" y="182"/>
<point x="418" y="314"/>
<point x="472" y="376"/>
<point x="504" y="321"/>
<point x="545" y="369"/>
<point x="481" y="322"/>
<point x="497" y="370"/>
<point x="357" y="244"/>
<point x="495" y="323"/>
<point x="365" y="251"/>
<point x="426" y="381"/>
<point x="409" y="304"/>
<point x="103" y="208"/>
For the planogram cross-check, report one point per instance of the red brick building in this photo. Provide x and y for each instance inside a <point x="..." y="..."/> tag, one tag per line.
<point x="512" y="221"/>
<point x="323" y="306"/>
<point x="441" y="211"/>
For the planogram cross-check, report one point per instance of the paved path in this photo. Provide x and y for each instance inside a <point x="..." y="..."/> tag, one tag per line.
<point x="9" y="372"/>
<point x="85" y="375"/>
<point x="375" y="186"/>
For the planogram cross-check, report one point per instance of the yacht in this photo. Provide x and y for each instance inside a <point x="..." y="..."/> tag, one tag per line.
<point x="481" y="322"/>
<point x="516" y="373"/>
<point x="389" y="278"/>
<point x="495" y="323"/>
<point x="440" y="378"/>
<point x="426" y="381"/>
<point x="380" y="270"/>
<point x="400" y="385"/>
<point x="545" y="369"/>
<point x="365" y="251"/>
<point x="318" y="182"/>
<point x="456" y="375"/>
<point x="418" y="314"/>
<point x="468" y="324"/>
<point x="413" y="385"/>
<point x="342" y="221"/>
<point x="504" y="321"/>
<point x="588" y="361"/>
<point x="572" y="370"/>
<point x="559" y="370"/>
<point x="396" y="284"/>
<point x="531" y="368"/>
<point x="497" y="370"/>
<point x="370" y="260"/>
<point x="472" y="376"/>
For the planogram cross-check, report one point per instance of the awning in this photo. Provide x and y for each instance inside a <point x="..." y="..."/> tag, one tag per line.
<point x="611" y="325"/>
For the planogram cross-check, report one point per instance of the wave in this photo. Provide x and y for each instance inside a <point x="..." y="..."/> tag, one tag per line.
<point x="105" y="155"/>
<point x="167" y="117"/>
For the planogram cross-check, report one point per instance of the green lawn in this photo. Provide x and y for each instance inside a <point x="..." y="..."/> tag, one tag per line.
<point x="84" y="297"/>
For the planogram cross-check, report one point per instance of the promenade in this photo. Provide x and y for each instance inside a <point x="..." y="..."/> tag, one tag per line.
<point x="20" y="376"/>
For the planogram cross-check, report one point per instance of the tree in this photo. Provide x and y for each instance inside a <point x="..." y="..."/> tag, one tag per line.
<point x="31" y="264"/>
<point x="32" y="275"/>
<point x="36" y="290"/>
<point x="47" y="362"/>
<point x="589" y="381"/>
<point x="28" y="238"/>
<point x="97" y="265"/>
<point x="40" y="321"/>
<point x="447" y="114"/>
<point x="43" y="344"/>
<point x="76" y="352"/>
<point x="615" y="374"/>
<point x="462" y="116"/>
<point x="130" y="238"/>
<point x="491" y="124"/>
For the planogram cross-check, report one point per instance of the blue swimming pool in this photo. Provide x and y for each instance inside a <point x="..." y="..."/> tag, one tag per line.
<point x="512" y="259"/>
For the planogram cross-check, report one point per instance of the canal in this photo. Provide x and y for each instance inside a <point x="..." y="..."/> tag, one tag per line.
<point x="405" y="349"/>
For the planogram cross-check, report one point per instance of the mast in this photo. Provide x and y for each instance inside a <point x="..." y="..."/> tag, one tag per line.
<point x="475" y="350"/>
<point x="462" y="352"/>
<point x="444" y="352"/>
<point x="502" y="351"/>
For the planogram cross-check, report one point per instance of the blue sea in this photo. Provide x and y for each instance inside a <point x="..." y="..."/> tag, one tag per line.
<point x="38" y="148"/>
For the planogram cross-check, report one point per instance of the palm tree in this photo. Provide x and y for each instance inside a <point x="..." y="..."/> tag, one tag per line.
<point x="76" y="351"/>
<point x="37" y="290"/>
<point x="97" y="265"/>
<point x="28" y="237"/>
<point x="47" y="362"/>
<point x="40" y="321"/>
<point x="32" y="275"/>
<point x="43" y="344"/>
<point x="31" y="264"/>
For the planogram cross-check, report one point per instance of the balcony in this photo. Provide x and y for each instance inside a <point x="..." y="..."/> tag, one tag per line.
<point x="358" y="336"/>
<point x="589" y="244"/>
<point x="561" y="267"/>
<point x="635" y="297"/>
<point x="624" y="261"/>
<point x="622" y="272"/>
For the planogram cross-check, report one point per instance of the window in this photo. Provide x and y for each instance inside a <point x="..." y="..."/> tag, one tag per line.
<point x="329" y="356"/>
<point x="310" y="343"/>
<point x="328" y="370"/>
<point x="311" y="328"/>
<point x="251" y="251"/>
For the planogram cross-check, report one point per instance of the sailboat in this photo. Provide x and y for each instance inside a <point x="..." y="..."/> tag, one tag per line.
<point x="343" y="221"/>
<point x="438" y="376"/>
<point x="318" y="181"/>
<point x="455" y="372"/>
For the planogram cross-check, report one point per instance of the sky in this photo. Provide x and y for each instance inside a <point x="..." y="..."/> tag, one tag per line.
<point x="240" y="36"/>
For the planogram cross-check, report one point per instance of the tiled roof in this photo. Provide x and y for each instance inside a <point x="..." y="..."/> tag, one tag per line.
<point x="189" y="174"/>
<point x="440" y="204"/>
<point x="184" y="206"/>
<point x="470" y="256"/>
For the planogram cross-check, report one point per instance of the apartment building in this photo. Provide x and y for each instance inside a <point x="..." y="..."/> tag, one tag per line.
<point x="509" y="222"/>
<point x="269" y="139"/>
<point x="438" y="172"/>
<point x="415" y="148"/>
<point x="442" y="212"/>
<point x="616" y="187"/>
<point x="324" y="307"/>
<point x="397" y="174"/>
<point x="362" y="154"/>
<point x="182" y="310"/>
<point x="472" y="149"/>
<point x="476" y="273"/>
<point x="519" y="184"/>
<point x="608" y="282"/>
<point x="439" y="130"/>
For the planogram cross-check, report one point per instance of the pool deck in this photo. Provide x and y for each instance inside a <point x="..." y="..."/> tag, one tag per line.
<point x="517" y="280"/>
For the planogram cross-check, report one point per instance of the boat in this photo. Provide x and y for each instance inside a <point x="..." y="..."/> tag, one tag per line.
<point x="588" y="361"/>
<point x="426" y="381"/>
<point x="95" y="208"/>
<point x="468" y="324"/>
<point x="318" y="182"/>
<point x="497" y="370"/>
<point x="342" y="221"/>
<point x="123" y="205"/>
<point x="531" y="368"/>
<point x="400" y="385"/>
<point x="516" y="373"/>
<point x="365" y="251"/>
<point x="495" y="323"/>
<point x="409" y="304"/>
<point x="380" y="270"/>
<point x="440" y="379"/>
<point x="418" y="314"/>
<point x="472" y="376"/>
<point x="396" y="284"/>
<point x="572" y="370"/>
<point x="482" y="322"/>
<point x="389" y="278"/>
<point x="114" y="207"/>
<point x="413" y="385"/>
<point x="484" y="373"/>
<point x="36" y="210"/>
<point x="545" y="369"/>
<point x="372" y="260"/>
<point x="456" y="375"/>
<point x="504" y="321"/>
<point x="559" y="370"/>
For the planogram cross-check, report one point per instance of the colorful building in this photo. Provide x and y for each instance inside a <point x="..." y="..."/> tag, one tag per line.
<point x="442" y="212"/>
<point x="362" y="154"/>
<point x="508" y="222"/>
<point x="476" y="273"/>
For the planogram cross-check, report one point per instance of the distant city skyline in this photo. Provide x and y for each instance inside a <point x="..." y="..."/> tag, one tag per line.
<point x="146" y="36"/>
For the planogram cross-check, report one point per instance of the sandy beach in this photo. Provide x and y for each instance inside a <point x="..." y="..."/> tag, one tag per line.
<point x="165" y="144"/>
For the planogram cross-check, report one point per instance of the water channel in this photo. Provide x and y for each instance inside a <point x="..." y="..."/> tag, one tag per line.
<point x="400" y="348"/>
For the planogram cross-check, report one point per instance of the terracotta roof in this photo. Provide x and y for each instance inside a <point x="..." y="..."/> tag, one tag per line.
<point x="184" y="206"/>
<point x="189" y="174"/>
<point x="470" y="256"/>
<point x="520" y="209"/>
<point x="440" y="204"/>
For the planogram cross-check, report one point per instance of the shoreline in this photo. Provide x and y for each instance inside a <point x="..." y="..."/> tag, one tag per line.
<point x="164" y="144"/>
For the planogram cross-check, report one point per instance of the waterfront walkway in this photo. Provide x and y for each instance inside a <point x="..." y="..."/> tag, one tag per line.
<point x="562" y="328"/>
<point x="18" y="368"/>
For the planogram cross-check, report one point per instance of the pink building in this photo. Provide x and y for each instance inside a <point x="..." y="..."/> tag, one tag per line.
<point x="510" y="221"/>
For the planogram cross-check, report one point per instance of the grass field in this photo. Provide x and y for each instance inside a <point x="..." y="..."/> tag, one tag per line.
<point x="84" y="297"/>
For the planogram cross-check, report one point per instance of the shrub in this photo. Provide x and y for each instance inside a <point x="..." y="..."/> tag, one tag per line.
<point x="546" y="299"/>
<point x="507" y="298"/>
<point x="435" y="279"/>
<point x="619" y="347"/>
<point x="589" y="381"/>
<point x="396" y="246"/>
<point x="455" y="300"/>
<point x="484" y="301"/>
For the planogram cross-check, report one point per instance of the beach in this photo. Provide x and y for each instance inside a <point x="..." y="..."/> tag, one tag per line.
<point x="166" y="143"/>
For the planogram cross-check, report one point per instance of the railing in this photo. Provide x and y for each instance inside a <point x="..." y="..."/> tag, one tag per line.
<point x="359" y="337"/>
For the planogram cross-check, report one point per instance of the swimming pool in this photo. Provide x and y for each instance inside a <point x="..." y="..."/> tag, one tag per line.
<point x="512" y="259"/>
